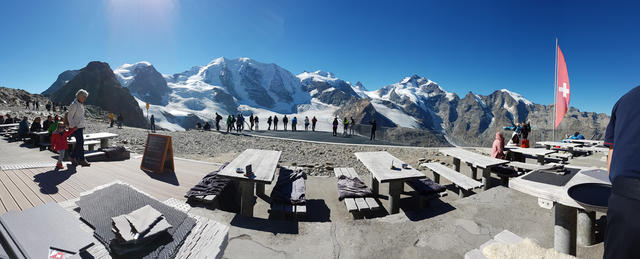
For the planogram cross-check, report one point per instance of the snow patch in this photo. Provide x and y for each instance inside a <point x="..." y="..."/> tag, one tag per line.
<point x="517" y="97"/>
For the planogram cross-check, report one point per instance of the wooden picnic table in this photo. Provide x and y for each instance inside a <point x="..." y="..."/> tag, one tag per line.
<point x="564" y="145"/>
<point x="585" y="141"/>
<point x="474" y="161"/>
<point x="102" y="136"/>
<point x="379" y="164"/>
<point x="539" y="153"/>
<point x="567" y="228"/>
<point x="263" y="163"/>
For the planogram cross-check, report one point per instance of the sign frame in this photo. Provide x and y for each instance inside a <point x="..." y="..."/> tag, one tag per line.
<point x="166" y="161"/>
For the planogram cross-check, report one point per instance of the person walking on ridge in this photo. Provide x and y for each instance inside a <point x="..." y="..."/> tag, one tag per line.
<point x="313" y="123"/>
<point x="373" y="130"/>
<point x="218" y="119"/>
<point x="335" y="126"/>
<point x="285" y="120"/>
<point x="275" y="122"/>
<point x="346" y="126"/>
<point x="294" y="123"/>
<point x="153" y="124"/>
<point x="229" y="123"/>
<point x="257" y="122"/>
<point x="351" y="129"/>
<point x="269" y="120"/>
<point x="251" y="122"/>
<point x="306" y="123"/>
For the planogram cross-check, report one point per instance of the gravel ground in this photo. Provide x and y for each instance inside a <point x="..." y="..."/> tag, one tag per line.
<point x="221" y="147"/>
<point x="217" y="147"/>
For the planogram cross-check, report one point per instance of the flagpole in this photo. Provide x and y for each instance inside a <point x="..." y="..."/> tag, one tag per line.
<point x="555" y="91"/>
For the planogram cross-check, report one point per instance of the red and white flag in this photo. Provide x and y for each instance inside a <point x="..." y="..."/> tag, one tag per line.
<point x="562" y="87"/>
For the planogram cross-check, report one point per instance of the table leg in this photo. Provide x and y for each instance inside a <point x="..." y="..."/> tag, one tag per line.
<point x="246" y="198"/>
<point x="374" y="185"/>
<point x="395" y="188"/>
<point x="586" y="223"/>
<point x="564" y="230"/>
<point x="474" y="172"/>
<point x="259" y="189"/>
<point x="486" y="178"/>
<point x="456" y="164"/>
<point x="541" y="159"/>
<point x="104" y="142"/>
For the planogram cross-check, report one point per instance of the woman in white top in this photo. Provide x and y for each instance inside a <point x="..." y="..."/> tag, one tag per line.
<point x="77" y="120"/>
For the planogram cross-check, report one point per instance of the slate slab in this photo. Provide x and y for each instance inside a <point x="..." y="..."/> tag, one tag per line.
<point x="38" y="229"/>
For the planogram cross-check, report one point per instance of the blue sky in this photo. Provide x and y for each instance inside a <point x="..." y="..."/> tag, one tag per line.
<point x="478" y="46"/>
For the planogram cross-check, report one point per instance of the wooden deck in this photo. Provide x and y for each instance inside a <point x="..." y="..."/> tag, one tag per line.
<point x="21" y="189"/>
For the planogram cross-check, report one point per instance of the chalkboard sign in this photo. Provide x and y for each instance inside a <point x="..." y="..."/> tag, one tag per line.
<point x="158" y="154"/>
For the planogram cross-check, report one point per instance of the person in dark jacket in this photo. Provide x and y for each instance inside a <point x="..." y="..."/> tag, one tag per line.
<point x="218" y="119"/>
<point x="23" y="128"/>
<point x="257" y="122"/>
<point x="335" y="126"/>
<point x="36" y="126"/>
<point x="294" y="123"/>
<point x="251" y="122"/>
<point x="153" y="124"/>
<point x="207" y="126"/>
<point x="313" y="123"/>
<point x="373" y="130"/>
<point x="269" y="120"/>
<point x="275" y="122"/>
<point x="8" y="119"/>
<point x="47" y="123"/>
<point x="48" y="107"/>
<point x="526" y="129"/>
<point x="622" y="234"/>
<point x="120" y="120"/>
<point x="285" y="120"/>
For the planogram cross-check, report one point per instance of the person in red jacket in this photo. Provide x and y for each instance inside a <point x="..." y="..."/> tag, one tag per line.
<point x="59" y="142"/>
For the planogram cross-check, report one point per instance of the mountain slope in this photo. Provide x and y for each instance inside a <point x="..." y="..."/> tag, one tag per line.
<point x="62" y="79"/>
<point x="143" y="81"/>
<point x="104" y="91"/>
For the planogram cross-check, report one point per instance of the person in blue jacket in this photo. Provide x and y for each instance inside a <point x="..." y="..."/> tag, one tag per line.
<point x="577" y="135"/>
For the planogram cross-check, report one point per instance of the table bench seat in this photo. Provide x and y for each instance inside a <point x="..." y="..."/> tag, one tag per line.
<point x="464" y="183"/>
<point x="420" y="189"/>
<point x="362" y="205"/>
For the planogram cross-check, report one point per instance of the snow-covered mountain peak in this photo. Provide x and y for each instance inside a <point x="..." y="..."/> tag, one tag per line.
<point x="127" y="72"/>
<point x="517" y="97"/>
<point x="319" y="76"/>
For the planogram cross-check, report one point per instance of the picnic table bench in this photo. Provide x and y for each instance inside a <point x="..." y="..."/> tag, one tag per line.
<point x="361" y="205"/>
<point x="263" y="163"/>
<point x="538" y="153"/>
<point x="7" y="126"/>
<point x="524" y="167"/>
<point x="379" y="164"/>
<point x="592" y="149"/>
<point x="286" y="209"/>
<point x="464" y="183"/>
<point x="103" y="137"/>
<point x="474" y="161"/>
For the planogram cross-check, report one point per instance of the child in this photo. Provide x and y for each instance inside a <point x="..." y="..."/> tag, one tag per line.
<point x="59" y="142"/>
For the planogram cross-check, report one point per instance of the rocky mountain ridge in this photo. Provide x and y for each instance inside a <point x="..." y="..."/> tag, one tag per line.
<point x="230" y="86"/>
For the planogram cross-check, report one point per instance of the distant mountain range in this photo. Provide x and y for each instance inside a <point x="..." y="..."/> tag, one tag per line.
<point x="231" y="86"/>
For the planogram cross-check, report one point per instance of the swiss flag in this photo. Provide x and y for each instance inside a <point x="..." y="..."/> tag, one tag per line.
<point x="563" y="93"/>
